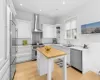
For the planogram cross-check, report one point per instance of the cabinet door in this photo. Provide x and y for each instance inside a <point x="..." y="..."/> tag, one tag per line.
<point x="5" y="71"/>
<point x="48" y="31"/>
<point x="6" y="75"/>
<point x="24" y="29"/>
<point x="42" y="64"/>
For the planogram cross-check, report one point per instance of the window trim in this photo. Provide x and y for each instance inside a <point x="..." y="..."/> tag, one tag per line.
<point x="69" y="20"/>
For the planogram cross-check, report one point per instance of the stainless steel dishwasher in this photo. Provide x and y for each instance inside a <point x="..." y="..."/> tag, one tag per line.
<point x="76" y="59"/>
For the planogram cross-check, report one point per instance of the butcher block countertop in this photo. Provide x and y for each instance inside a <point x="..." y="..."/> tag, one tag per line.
<point x="52" y="53"/>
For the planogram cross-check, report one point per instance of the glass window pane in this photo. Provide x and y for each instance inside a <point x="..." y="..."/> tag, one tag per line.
<point x="74" y="33"/>
<point x="73" y="24"/>
<point x="68" y="25"/>
<point x="68" y="33"/>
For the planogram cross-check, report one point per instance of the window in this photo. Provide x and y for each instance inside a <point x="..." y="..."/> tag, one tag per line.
<point x="70" y="29"/>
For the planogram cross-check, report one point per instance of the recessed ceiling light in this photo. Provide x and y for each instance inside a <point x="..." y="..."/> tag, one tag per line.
<point x="64" y="2"/>
<point x="40" y="10"/>
<point x="21" y="4"/>
<point x="57" y="9"/>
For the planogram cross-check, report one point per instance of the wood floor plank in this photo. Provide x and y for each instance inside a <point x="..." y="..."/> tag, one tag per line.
<point x="28" y="71"/>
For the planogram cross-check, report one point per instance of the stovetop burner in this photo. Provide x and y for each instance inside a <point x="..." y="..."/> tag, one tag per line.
<point x="36" y="45"/>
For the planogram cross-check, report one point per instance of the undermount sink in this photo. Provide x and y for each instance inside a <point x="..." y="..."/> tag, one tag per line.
<point x="68" y="45"/>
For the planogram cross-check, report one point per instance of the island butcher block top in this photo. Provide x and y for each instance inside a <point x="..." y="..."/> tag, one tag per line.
<point x="52" y="53"/>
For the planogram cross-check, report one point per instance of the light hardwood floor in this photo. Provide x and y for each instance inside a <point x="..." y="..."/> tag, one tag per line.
<point x="28" y="71"/>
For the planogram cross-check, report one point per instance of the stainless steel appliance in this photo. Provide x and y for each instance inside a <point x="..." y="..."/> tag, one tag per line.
<point x="76" y="59"/>
<point x="12" y="46"/>
<point x="36" y="35"/>
<point x="35" y="46"/>
<point x="36" y="23"/>
<point x="54" y="40"/>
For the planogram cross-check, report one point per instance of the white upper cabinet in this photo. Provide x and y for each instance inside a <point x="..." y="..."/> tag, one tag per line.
<point x="49" y="31"/>
<point x="24" y="29"/>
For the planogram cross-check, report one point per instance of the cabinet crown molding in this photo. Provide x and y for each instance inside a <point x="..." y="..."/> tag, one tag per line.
<point x="11" y="5"/>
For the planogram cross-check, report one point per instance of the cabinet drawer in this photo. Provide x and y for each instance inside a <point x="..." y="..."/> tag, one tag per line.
<point x="22" y="49"/>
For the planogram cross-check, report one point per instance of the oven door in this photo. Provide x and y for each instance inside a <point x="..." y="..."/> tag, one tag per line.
<point x="34" y="54"/>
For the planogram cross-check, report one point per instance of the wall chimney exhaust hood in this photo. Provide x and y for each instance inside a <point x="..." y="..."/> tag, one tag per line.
<point x="36" y="23"/>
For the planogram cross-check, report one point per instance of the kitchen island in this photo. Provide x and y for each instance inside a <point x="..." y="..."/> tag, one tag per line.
<point x="45" y="61"/>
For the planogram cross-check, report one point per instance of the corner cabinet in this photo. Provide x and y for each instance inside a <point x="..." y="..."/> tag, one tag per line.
<point x="49" y="31"/>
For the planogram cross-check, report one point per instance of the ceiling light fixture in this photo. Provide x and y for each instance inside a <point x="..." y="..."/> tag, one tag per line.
<point x="21" y="4"/>
<point x="56" y="9"/>
<point x="64" y="2"/>
<point x="40" y="10"/>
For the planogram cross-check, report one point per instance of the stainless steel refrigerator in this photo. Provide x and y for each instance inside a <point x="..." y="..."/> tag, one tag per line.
<point x="13" y="46"/>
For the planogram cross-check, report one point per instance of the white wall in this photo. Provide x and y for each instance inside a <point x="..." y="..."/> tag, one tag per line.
<point x="94" y="57"/>
<point x="87" y="13"/>
<point x="2" y="28"/>
<point x="46" y="20"/>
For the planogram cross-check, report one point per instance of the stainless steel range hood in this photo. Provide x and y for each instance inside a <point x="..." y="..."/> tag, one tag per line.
<point x="36" y="23"/>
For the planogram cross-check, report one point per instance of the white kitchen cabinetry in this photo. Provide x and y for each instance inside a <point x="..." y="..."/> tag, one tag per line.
<point x="24" y="54"/>
<point x="49" y="31"/>
<point x="5" y="71"/>
<point x="42" y="64"/>
<point x="24" y="29"/>
<point x="7" y="74"/>
<point x="4" y="40"/>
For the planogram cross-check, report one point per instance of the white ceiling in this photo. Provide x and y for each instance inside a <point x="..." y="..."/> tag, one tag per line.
<point x="48" y="7"/>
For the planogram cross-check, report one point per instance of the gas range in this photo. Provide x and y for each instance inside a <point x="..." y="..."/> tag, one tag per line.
<point x="37" y="45"/>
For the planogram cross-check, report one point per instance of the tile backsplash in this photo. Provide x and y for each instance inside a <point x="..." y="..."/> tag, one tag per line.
<point x="20" y="41"/>
<point x="47" y="40"/>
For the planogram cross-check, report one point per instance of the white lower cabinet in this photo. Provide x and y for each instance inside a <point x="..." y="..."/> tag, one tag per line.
<point x="68" y="55"/>
<point x="5" y="71"/>
<point x="7" y="75"/>
<point x="42" y="64"/>
<point x="24" y="54"/>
